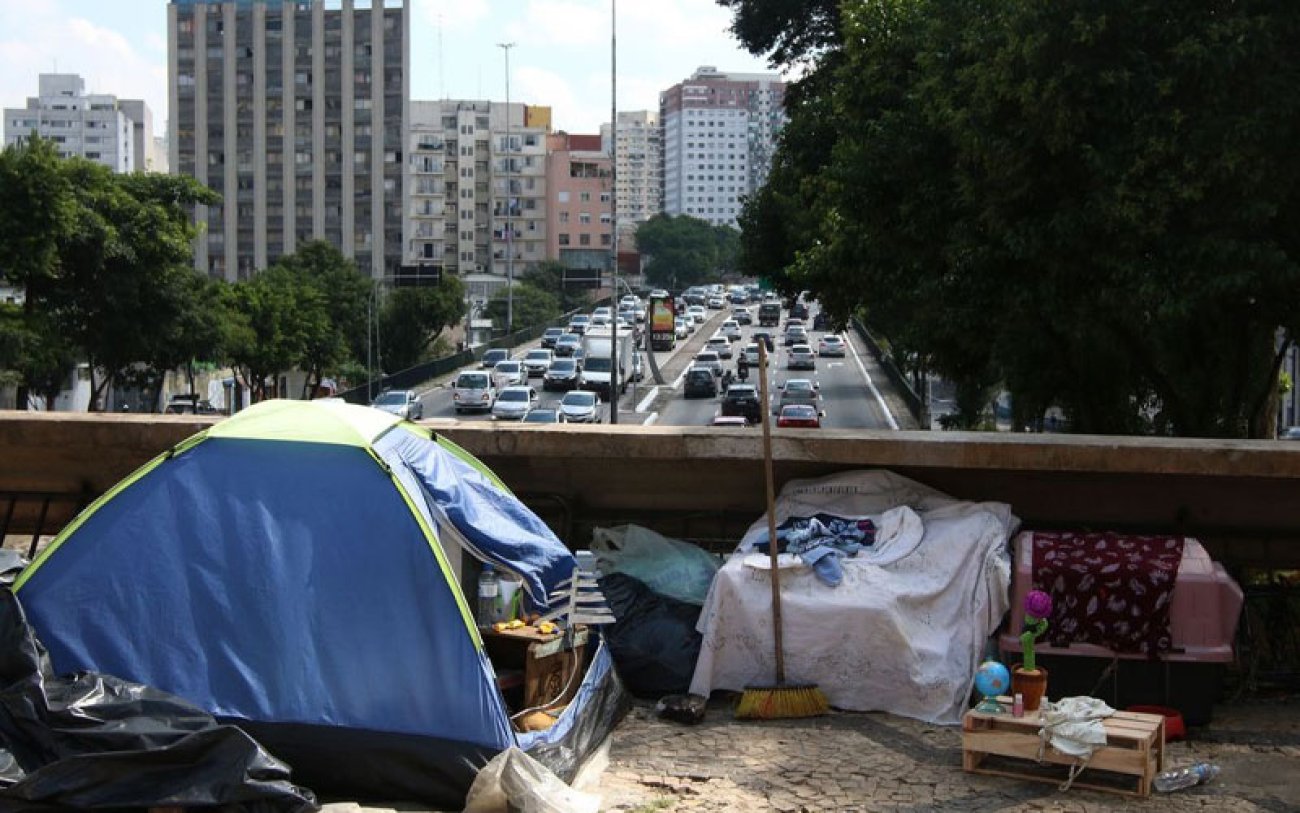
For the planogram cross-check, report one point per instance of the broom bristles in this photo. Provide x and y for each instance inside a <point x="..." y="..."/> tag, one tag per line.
<point x="782" y="702"/>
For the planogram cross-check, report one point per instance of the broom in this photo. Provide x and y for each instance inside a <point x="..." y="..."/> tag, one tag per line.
<point x="780" y="700"/>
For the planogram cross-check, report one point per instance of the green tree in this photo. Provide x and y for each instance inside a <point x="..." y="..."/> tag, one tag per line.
<point x="532" y="307"/>
<point x="684" y="250"/>
<point x="411" y="320"/>
<point x="548" y="276"/>
<point x="271" y="317"/>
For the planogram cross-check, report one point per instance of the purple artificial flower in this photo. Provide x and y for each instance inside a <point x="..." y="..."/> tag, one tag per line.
<point x="1038" y="604"/>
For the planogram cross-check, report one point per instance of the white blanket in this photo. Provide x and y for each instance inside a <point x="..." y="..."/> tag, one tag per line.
<point x="906" y="628"/>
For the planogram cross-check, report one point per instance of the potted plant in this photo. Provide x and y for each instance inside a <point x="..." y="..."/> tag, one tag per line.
<point x="1028" y="679"/>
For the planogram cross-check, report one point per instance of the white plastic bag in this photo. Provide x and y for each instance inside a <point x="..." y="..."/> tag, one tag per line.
<point x="515" y="780"/>
<point x="669" y="567"/>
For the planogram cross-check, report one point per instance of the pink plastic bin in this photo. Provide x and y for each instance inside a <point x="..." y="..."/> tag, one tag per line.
<point x="1203" y="622"/>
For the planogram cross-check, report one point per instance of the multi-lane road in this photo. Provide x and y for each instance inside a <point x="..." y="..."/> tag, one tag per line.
<point x="850" y="398"/>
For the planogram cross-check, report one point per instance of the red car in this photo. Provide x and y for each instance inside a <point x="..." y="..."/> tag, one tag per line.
<point x="800" y="416"/>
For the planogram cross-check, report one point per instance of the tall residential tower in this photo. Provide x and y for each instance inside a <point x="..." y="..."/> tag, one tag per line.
<point x="719" y="134"/>
<point x="99" y="127"/>
<point x="295" y="112"/>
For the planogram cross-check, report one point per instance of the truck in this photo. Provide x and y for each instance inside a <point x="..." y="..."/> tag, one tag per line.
<point x="663" y="323"/>
<point x="597" y="361"/>
<point x="769" y="314"/>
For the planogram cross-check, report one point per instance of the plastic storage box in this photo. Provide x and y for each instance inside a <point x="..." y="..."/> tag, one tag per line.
<point x="1203" y="617"/>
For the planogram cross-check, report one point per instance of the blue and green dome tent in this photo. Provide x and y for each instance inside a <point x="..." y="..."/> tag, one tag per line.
<point x="283" y="571"/>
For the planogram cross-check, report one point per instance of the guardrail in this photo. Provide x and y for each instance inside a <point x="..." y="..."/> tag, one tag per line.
<point x="915" y="404"/>
<point x="412" y="377"/>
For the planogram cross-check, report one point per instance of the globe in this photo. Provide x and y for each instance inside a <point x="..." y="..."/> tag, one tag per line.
<point x="991" y="680"/>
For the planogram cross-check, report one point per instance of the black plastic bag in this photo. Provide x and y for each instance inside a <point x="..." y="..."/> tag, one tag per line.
<point x="654" y="642"/>
<point x="90" y="741"/>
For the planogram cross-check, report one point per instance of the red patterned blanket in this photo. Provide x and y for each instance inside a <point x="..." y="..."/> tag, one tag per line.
<point x="1108" y="589"/>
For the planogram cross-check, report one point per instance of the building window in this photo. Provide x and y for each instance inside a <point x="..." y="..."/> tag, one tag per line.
<point x="564" y="239"/>
<point x="563" y="197"/>
<point x="584" y="239"/>
<point x="584" y="217"/>
<point x="604" y="197"/>
<point x="584" y="197"/>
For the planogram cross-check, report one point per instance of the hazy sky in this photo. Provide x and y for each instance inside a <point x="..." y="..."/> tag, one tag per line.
<point x="561" y="56"/>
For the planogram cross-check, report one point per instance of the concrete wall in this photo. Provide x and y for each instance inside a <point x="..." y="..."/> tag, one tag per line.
<point x="1241" y="497"/>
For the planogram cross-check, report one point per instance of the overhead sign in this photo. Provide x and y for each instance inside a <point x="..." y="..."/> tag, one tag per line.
<point x="583" y="278"/>
<point x="417" y="276"/>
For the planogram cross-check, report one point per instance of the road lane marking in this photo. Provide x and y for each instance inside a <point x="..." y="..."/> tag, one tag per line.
<point x="650" y="419"/>
<point x="893" y="424"/>
<point x="645" y="402"/>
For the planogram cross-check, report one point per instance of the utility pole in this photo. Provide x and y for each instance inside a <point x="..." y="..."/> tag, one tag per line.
<point x="510" y="229"/>
<point x="613" y="200"/>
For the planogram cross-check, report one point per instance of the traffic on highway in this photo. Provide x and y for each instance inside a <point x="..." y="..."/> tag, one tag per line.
<point x="816" y="377"/>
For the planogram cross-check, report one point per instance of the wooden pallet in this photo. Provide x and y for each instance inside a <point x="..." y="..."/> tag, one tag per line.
<point x="1135" y="749"/>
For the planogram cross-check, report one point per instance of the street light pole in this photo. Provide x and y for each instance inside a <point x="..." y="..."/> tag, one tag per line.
<point x="613" y="199"/>
<point x="510" y="249"/>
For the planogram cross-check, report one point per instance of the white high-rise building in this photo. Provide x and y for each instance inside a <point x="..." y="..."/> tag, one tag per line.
<point x="99" y="127"/>
<point x="639" y="160"/>
<point x="719" y="134"/>
<point x="465" y="182"/>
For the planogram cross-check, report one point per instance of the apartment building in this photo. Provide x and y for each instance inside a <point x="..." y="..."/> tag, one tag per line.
<point x="580" y="229"/>
<point x="719" y="135"/>
<point x="639" y="159"/>
<point x="477" y="189"/>
<point x="295" y="111"/>
<point x="117" y="133"/>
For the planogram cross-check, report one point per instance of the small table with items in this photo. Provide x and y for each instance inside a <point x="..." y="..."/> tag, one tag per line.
<point x="538" y="663"/>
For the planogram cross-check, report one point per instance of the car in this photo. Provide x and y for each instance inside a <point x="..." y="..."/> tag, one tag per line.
<point x="697" y="313"/>
<point x="658" y="293"/>
<point x="536" y="362"/>
<point x="800" y="357"/>
<point x="795" y="335"/>
<point x="821" y="321"/>
<point x="742" y="400"/>
<point x="550" y="335"/>
<point x="743" y="316"/>
<point x="567" y="344"/>
<point x="514" y="402"/>
<point x="720" y="345"/>
<point x="715" y="302"/>
<point x="764" y="337"/>
<point x="561" y="375"/>
<point x="639" y="310"/>
<point x="471" y="390"/>
<point x="1290" y="433"/>
<point x="192" y="404"/>
<point x="638" y="368"/>
<point x="491" y="357"/>
<point x="731" y="329"/>
<point x="795" y="321"/>
<point x="580" y="406"/>
<point x="750" y="354"/>
<point x="629" y="301"/>
<point x="683" y="327"/>
<point x="710" y="360"/>
<point x="830" y="345"/>
<point x="798" y="391"/>
<point x="598" y="320"/>
<point x="403" y="403"/>
<point x="603" y="310"/>
<point x="508" y="373"/>
<point x="579" y="323"/>
<point x="700" y="382"/>
<point x="799" y="416"/>
<point x="734" y="421"/>
<point x="538" y="415"/>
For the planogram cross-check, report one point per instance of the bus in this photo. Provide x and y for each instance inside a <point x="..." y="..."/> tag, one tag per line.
<point x="663" y="327"/>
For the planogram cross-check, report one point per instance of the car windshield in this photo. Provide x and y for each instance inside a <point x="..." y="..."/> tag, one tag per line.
<point x="598" y="364"/>
<point x="798" y="388"/>
<point x="741" y="393"/>
<point x="539" y="355"/>
<point x="706" y="358"/>
<point x="568" y="338"/>
<point x="391" y="399"/>
<point x="798" y="411"/>
<point x="507" y="367"/>
<point x="701" y="374"/>
<point x="579" y="399"/>
<point x="540" y="416"/>
<point x="473" y="382"/>
<point x="563" y="366"/>
<point x="493" y="356"/>
<point x="513" y="395"/>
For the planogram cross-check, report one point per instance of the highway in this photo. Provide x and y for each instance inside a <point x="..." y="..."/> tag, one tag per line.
<point x="849" y="396"/>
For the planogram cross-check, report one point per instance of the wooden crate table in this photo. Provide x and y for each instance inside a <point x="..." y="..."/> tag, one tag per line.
<point x="544" y="660"/>
<point x="1135" y="749"/>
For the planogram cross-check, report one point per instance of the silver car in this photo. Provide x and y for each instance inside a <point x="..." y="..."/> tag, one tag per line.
<point x="800" y="357"/>
<point x="538" y="361"/>
<point x="402" y="403"/>
<point x="580" y="406"/>
<point x="473" y="390"/>
<point x="508" y="373"/>
<point x="710" y="360"/>
<point x="720" y="345"/>
<point x="514" y="402"/>
<point x="798" y="391"/>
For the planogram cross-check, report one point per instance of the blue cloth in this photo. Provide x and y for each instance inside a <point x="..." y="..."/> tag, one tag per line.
<point x="821" y="541"/>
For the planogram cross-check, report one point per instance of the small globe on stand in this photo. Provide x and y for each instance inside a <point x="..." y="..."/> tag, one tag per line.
<point x="991" y="679"/>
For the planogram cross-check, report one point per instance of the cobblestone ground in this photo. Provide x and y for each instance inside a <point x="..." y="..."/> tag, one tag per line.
<point x="869" y="762"/>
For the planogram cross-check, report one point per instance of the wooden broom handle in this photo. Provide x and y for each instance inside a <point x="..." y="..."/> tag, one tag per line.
<point x="771" y="511"/>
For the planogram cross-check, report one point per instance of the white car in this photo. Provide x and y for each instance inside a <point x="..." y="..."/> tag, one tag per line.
<point x="580" y="406"/>
<point x="709" y="359"/>
<point x="698" y="313"/>
<point x="509" y="373"/>
<point x="514" y="402"/>
<point x="716" y="302"/>
<point x="473" y="390"/>
<point x="538" y="361"/>
<point x="830" y="345"/>
<point x="800" y="357"/>
<point x="731" y="329"/>
<point x="683" y="327"/>
<point x="720" y="345"/>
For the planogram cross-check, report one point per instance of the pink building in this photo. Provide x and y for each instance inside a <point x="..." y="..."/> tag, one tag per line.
<point x="578" y="184"/>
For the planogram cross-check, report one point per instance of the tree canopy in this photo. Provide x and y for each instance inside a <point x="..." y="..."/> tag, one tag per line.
<point x="1091" y="202"/>
<point x="412" y="318"/>
<point x="531" y="307"/>
<point x="686" y="250"/>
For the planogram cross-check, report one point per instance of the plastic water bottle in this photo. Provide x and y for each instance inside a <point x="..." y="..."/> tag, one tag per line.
<point x="488" y="591"/>
<point x="1187" y="777"/>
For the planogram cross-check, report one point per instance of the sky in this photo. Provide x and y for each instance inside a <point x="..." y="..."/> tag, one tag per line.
<point x="561" y="55"/>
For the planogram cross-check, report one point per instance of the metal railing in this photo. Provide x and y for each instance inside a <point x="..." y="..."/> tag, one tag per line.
<point x="915" y="404"/>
